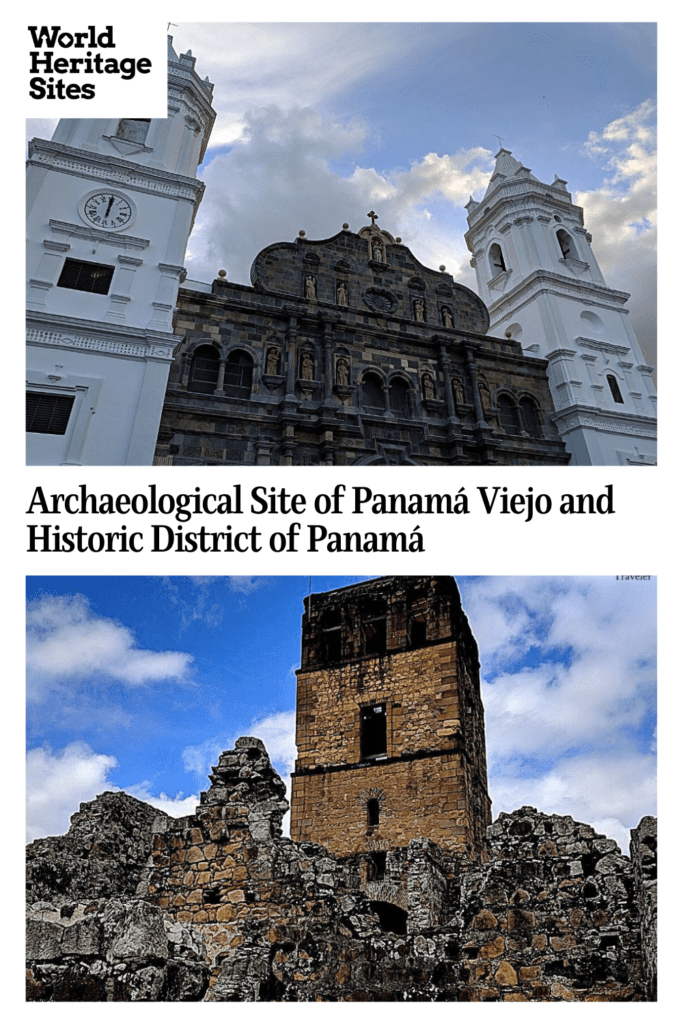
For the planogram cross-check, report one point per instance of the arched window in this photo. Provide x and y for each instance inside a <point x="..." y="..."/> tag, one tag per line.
<point x="566" y="243"/>
<point x="614" y="388"/>
<point x="133" y="129"/>
<point x="204" y="371"/>
<point x="373" y="812"/>
<point x="238" y="374"/>
<point x="496" y="259"/>
<point x="529" y="417"/>
<point x="399" y="398"/>
<point x="508" y="415"/>
<point x="373" y="394"/>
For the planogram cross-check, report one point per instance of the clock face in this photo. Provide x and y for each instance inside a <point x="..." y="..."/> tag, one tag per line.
<point x="108" y="210"/>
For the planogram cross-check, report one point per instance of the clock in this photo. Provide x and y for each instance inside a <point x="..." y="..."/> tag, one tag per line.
<point x="106" y="209"/>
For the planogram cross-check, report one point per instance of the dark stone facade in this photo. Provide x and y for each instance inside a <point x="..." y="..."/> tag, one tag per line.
<point x="347" y="351"/>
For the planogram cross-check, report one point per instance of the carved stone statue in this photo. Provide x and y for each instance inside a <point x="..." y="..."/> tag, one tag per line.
<point x="342" y="372"/>
<point x="342" y="294"/>
<point x="447" y="317"/>
<point x="419" y="310"/>
<point x="485" y="396"/>
<point x="307" y="366"/>
<point x="428" y="389"/>
<point x="309" y="289"/>
<point x="377" y="251"/>
<point x="458" y="391"/>
<point x="272" y="361"/>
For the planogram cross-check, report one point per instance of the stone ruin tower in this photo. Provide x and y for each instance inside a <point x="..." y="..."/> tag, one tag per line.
<point x="389" y="721"/>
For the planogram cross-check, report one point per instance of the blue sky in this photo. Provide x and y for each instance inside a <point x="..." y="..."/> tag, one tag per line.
<point x="318" y="123"/>
<point x="138" y="683"/>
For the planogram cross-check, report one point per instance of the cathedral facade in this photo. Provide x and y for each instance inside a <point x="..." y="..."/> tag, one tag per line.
<point x="348" y="351"/>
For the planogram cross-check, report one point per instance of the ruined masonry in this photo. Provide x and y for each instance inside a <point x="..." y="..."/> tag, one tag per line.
<point x="405" y="900"/>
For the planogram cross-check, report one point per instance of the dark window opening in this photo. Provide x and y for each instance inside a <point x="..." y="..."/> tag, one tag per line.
<point x="373" y="731"/>
<point x="47" y="414"/>
<point x="86" y="277"/>
<point x="566" y="245"/>
<point x="330" y="626"/>
<point x="529" y="416"/>
<point x="372" y="392"/>
<point x="399" y="398"/>
<point x="377" y="866"/>
<point x="391" y="917"/>
<point x="133" y="129"/>
<point x="374" y="627"/>
<point x="213" y="895"/>
<point x="508" y="415"/>
<point x="204" y="371"/>
<point x="496" y="259"/>
<point x="418" y="632"/>
<point x="373" y="813"/>
<point x="238" y="374"/>
<point x="614" y="388"/>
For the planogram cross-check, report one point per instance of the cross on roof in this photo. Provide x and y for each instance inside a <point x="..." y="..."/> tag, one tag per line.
<point x="373" y="217"/>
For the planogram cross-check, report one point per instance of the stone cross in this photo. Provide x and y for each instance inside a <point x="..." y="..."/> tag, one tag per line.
<point x="373" y="217"/>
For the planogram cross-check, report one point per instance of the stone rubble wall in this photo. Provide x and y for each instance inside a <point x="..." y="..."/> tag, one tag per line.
<point x="644" y="856"/>
<point x="104" y="852"/>
<point x="229" y="910"/>
<point x="111" y="951"/>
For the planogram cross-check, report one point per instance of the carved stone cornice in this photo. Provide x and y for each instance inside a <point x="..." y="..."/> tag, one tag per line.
<point x="607" y="422"/>
<point x="548" y="282"/>
<point x="63" y="227"/>
<point x="86" y="336"/>
<point x="103" y="167"/>
<point x="603" y="346"/>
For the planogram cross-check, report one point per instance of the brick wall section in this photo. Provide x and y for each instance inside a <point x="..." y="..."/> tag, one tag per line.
<point x="432" y="782"/>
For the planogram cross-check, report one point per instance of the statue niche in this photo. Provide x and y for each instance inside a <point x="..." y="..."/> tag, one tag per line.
<point x="273" y="361"/>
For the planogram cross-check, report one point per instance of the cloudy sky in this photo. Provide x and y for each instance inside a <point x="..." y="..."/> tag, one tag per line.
<point x="319" y="123"/>
<point x="138" y="683"/>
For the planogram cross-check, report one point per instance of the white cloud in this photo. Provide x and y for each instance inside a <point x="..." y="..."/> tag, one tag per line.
<point x="568" y="683"/>
<point x="66" y="639"/>
<point x="280" y="178"/>
<point x="610" y="791"/>
<point x="177" y="806"/>
<point x="58" y="781"/>
<point x="289" y="61"/>
<point x="622" y="214"/>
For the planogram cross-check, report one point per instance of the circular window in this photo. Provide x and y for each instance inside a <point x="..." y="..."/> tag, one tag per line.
<point x="380" y="301"/>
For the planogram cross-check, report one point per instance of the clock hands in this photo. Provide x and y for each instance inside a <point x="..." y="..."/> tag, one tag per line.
<point x="111" y="202"/>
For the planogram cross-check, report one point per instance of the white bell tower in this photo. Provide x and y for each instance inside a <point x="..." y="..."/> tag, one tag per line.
<point x="110" y="207"/>
<point x="538" y="276"/>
